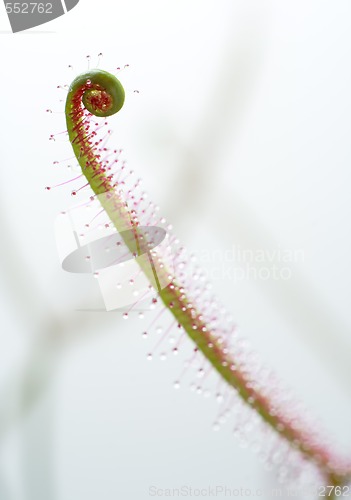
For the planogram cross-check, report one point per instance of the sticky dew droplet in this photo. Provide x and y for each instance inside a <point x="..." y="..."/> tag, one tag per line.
<point x="219" y="397"/>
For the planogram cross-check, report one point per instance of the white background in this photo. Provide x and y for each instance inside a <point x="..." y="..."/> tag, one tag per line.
<point x="241" y="132"/>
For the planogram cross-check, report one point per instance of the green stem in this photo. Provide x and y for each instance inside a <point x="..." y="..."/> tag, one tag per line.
<point x="102" y="94"/>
